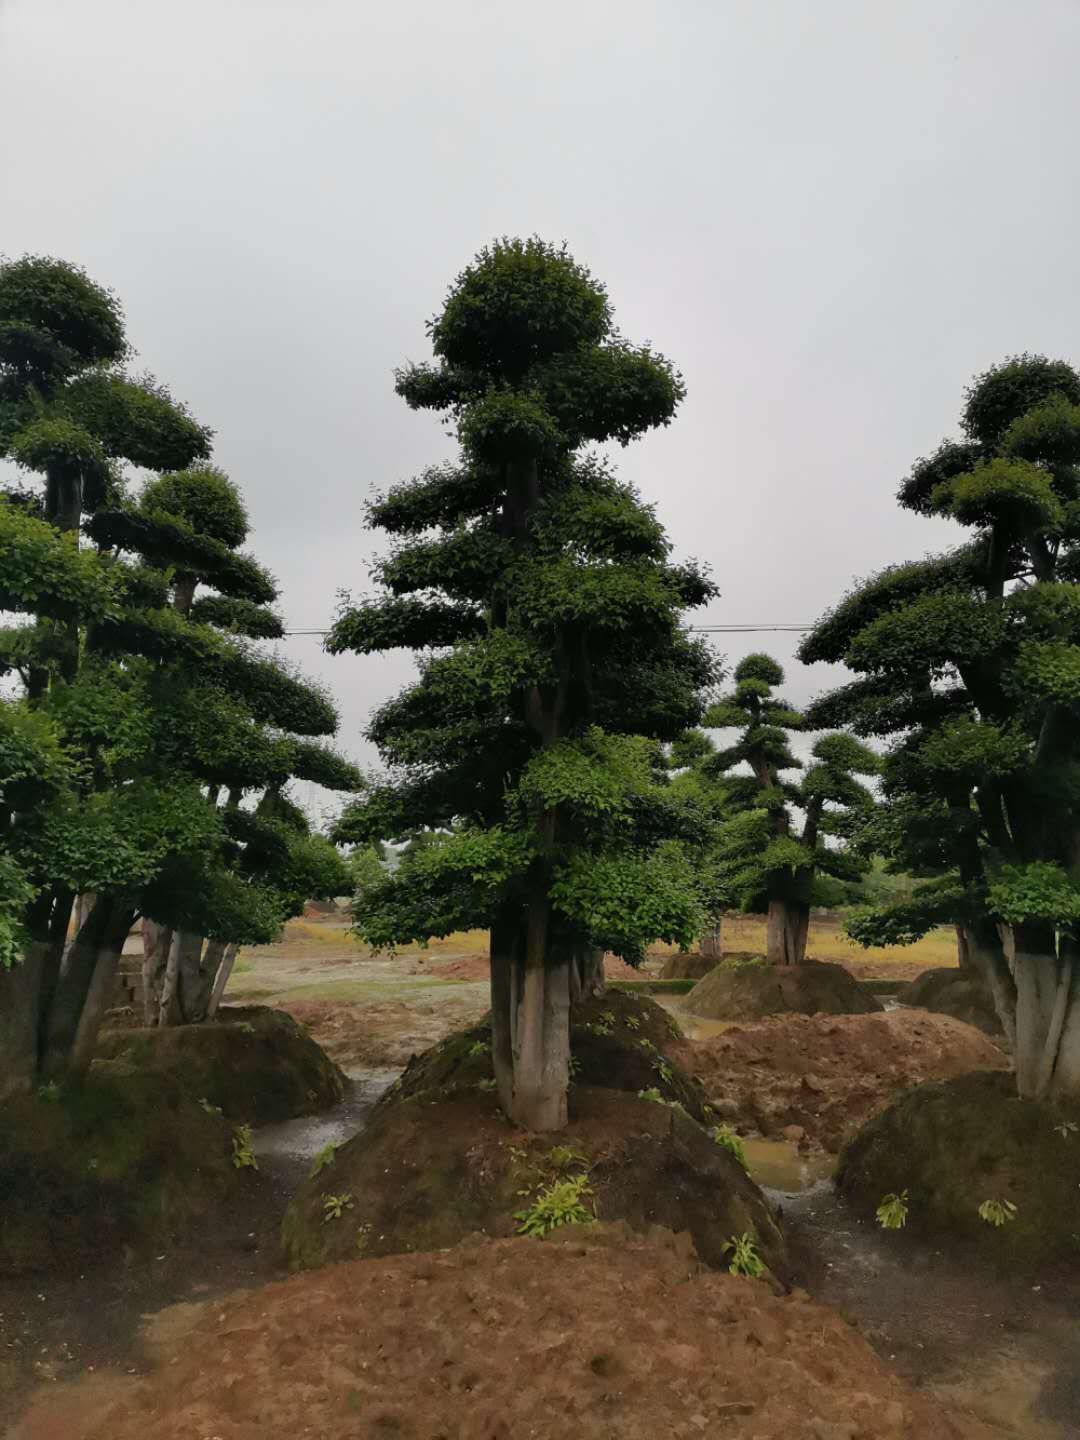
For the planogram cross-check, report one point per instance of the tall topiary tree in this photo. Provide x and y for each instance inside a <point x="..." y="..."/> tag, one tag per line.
<point x="969" y="661"/>
<point x="541" y="596"/>
<point x="759" y="850"/>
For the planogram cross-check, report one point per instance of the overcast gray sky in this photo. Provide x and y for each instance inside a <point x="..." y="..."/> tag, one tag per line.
<point x="829" y="213"/>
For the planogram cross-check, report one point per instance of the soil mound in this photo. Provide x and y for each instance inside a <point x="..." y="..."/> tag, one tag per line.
<point x="599" y="1336"/>
<point x="256" y="1064"/>
<point x="425" y="1174"/>
<point x="694" y="966"/>
<point x="828" y="1074"/>
<point x="129" y="1160"/>
<point x="618" y="1041"/>
<point x="957" y="1144"/>
<point x="741" y="990"/>
<point x="953" y="992"/>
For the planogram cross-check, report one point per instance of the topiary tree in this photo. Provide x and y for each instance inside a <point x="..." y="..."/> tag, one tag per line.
<point x="969" y="662"/>
<point x="100" y="795"/>
<point x="758" y="851"/>
<point x="540" y="593"/>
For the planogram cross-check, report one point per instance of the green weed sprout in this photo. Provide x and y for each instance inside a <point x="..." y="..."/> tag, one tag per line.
<point x="997" y="1212"/>
<point x="326" y="1156"/>
<point x="243" y="1156"/>
<point x="745" y="1259"/>
<point x="334" y="1206"/>
<point x="727" y="1139"/>
<point x="210" y="1109"/>
<point x="555" y="1205"/>
<point x="892" y="1213"/>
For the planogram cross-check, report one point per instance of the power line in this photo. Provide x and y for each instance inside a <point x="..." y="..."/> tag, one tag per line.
<point x="699" y="629"/>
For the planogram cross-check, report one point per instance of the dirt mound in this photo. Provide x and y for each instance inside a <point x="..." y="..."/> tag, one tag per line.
<point x="829" y="1073"/>
<point x="129" y="1160"/>
<point x="956" y="993"/>
<point x="618" y="1041"/>
<point x="425" y="1174"/>
<point x="741" y="990"/>
<point x="954" y="1145"/>
<point x="255" y="1063"/>
<point x="595" y="1337"/>
<point x="688" y="965"/>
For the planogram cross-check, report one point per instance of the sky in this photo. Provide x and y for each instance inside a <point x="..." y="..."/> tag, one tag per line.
<point x="830" y="214"/>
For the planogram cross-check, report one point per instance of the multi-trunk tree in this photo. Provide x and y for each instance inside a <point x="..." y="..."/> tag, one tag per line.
<point x="759" y="853"/>
<point x="540" y="593"/>
<point x="970" y="662"/>
<point x="101" y="797"/>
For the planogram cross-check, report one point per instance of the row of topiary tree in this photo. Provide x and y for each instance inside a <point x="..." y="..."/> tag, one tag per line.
<point x="140" y="719"/>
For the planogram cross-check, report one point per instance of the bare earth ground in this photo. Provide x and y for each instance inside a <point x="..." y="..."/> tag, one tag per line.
<point x="616" y="1355"/>
<point x="483" y="1343"/>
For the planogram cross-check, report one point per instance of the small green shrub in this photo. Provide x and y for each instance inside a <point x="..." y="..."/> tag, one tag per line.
<point x="50" y="1093"/>
<point x="745" y="1259"/>
<point x="892" y="1213"/>
<point x="564" y="1157"/>
<point x="727" y="1139"/>
<point x="326" y="1156"/>
<point x="478" y="1048"/>
<point x="243" y="1156"/>
<point x="997" y="1212"/>
<point x="632" y="1022"/>
<point x="1066" y="1128"/>
<point x="555" y="1205"/>
<point x="652" y="1094"/>
<point x="334" y="1206"/>
<point x="210" y="1109"/>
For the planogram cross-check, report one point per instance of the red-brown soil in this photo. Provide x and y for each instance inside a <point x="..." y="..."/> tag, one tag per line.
<point x="741" y="990"/>
<point x="828" y="1074"/>
<point x="595" y="1338"/>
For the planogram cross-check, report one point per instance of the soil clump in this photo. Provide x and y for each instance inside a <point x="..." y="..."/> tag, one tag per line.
<point x="955" y="1145"/>
<point x="256" y="1064"/>
<point x="691" y="965"/>
<point x="604" y="1334"/>
<point x="124" y="1163"/>
<point x="954" y="992"/>
<point x="738" y="989"/>
<point x="828" y="1074"/>
<point x="426" y="1174"/>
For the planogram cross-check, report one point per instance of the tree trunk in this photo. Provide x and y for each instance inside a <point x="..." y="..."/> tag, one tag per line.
<point x="195" y="999"/>
<point x="710" y="943"/>
<point x="169" y="1005"/>
<point x="586" y="975"/>
<point x="1044" y="984"/>
<point x="981" y="950"/>
<point x="20" y="1014"/>
<point x="157" y="940"/>
<point x="787" y="928"/>
<point x="104" y="930"/>
<point x="1065" y="1081"/>
<point x="541" y="1036"/>
<point x="221" y="979"/>
<point x="98" y="1000"/>
<point x="191" y="991"/>
<point x="502" y="949"/>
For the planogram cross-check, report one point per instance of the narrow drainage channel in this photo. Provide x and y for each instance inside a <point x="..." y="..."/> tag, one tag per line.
<point x="285" y="1150"/>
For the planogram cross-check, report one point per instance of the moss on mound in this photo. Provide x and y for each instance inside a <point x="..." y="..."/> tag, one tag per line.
<point x="129" y="1160"/>
<point x="742" y="989"/>
<point x="955" y="1144"/>
<point x="617" y="1041"/>
<point x="953" y="992"/>
<point x="258" y="1065"/>
<point x="425" y="1174"/>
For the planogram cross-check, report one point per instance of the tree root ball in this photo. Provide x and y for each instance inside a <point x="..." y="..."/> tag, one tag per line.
<point x="425" y="1174"/>
<point x="953" y="992"/>
<point x="126" y="1162"/>
<point x="741" y="990"/>
<point x="256" y="1064"/>
<point x="956" y="1144"/>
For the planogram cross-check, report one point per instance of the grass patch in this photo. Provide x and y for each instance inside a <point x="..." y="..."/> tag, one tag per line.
<point x="349" y="990"/>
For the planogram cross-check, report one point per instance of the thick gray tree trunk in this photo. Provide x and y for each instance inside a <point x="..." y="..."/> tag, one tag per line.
<point x="221" y="979"/>
<point x="711" y="942"/>
<point x="157" y="940"/>
<point x="197" y="982"/>
<point x="787" y="928"/>
<point x="504" y="933"/>
<point x="586" y="975"/>
<point x="982" y="954"/>
<point x="20" y="1015"/>
<point x="97" y="947"/>
<point x="540" y="1013"/>
<point x="1047" y="1015"/>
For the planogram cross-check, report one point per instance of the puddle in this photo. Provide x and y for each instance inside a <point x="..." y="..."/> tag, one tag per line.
<point x="292" y="1143"/>
<point x="692" y="1026"/>
<point x="777" y="1165"/>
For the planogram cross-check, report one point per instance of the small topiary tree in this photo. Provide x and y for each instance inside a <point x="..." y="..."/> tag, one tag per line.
<point x="970" y="663"/>
<point x="758" y="850"/>
<point x="539" y="591"/>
